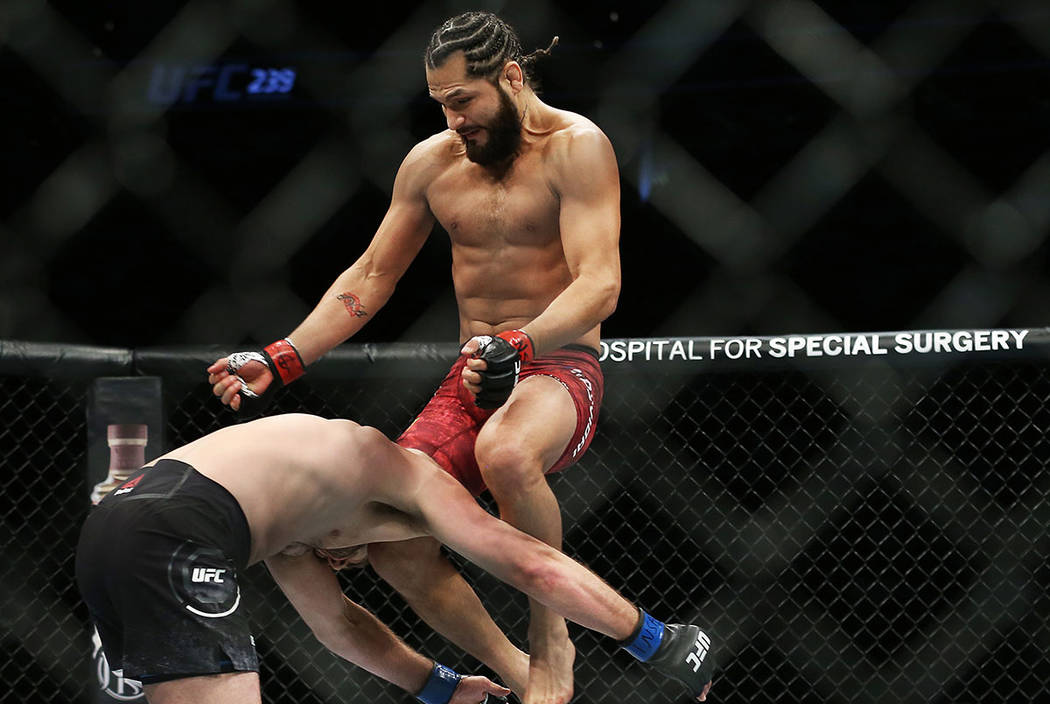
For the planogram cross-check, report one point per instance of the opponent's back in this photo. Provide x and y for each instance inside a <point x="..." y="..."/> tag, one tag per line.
<point x="298" y="478"/>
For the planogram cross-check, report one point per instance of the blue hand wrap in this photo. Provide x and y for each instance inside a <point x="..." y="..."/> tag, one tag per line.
<point x="646" y="639"/>
<point x="439" y="686"/>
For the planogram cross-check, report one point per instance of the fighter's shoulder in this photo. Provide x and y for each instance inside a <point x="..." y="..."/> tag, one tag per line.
<point x="575" y="137"/>
<point x="435" y="153"/>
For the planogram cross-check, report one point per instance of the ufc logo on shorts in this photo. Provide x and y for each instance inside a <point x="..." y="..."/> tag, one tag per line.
<point x="700" y="648"/>
<point x="207" y="574"/>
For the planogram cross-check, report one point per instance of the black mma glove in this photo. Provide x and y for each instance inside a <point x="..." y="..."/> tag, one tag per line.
<point x="284" y="363"/>
<point x="504" y="354"/>
<point x="685" y="654"/>
<point x="679" y="650"/>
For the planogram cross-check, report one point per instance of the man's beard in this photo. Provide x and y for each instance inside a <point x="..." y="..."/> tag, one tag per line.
<point x="504" y="135"/>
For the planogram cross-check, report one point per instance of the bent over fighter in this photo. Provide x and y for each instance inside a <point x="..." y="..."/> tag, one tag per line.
<point x="529" y="197"/>
<point x="276" y="489"/>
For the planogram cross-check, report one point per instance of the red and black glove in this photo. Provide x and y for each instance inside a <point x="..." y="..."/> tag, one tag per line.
<point x="504" y="354"/>
<point x="284" y="363"/>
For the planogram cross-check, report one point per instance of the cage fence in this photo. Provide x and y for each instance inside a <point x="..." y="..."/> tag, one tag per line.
<point x="852" y="529"/>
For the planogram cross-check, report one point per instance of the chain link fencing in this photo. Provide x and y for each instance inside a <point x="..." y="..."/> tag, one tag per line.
<point x="853" y="529"/>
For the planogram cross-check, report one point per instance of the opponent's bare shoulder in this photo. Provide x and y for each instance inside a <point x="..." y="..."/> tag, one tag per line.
<point x="576" y="145"/>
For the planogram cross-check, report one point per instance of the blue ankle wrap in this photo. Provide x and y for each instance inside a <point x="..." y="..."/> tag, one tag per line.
<point x="439" y="686"/>
<point x="647" y="641"/>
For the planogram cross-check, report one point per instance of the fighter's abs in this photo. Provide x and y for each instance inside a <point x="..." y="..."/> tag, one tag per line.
<point x="507" y="258"/>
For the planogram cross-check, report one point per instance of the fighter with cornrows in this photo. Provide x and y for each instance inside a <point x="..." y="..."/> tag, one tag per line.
<point x="529" y="197"/>
<point x="277" y="489"/>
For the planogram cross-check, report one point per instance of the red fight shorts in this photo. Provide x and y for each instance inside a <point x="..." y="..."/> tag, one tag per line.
<point x="448" y="425"/>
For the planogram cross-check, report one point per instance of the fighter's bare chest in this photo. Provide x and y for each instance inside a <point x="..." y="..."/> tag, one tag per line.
<point x="475" y="210"/>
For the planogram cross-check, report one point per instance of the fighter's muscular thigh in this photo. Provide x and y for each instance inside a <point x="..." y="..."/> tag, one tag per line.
<point x="526" y="436"/>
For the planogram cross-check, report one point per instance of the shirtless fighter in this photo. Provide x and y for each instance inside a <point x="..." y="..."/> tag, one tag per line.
<point x="529" y="196"/>
<point x="274" y="490"/>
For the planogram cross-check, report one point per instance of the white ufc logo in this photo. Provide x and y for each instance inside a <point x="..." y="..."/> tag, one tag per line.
<point x="207" y="574"/>
<point x="701" y="646"/>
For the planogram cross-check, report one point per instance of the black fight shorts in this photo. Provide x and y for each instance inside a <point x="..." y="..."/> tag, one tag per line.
<point x="157" y="564"/>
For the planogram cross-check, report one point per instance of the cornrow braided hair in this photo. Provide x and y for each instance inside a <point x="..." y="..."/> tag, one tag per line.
<point x="486" y="41"/>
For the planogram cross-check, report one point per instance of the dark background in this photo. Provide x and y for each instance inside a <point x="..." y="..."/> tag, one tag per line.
<point x="862" y="533"/>
<point x="786" y="166"/>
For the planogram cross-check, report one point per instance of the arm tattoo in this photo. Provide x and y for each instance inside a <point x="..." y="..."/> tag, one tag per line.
<point x="353" y="305"/>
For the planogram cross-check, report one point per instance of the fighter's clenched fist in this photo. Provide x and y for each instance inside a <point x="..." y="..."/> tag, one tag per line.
<point x="247" y="380"/>
<point x="496" y="362"/>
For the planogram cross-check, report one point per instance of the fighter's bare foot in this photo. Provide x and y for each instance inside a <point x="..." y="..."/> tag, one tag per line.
<point x="550" y="671"/>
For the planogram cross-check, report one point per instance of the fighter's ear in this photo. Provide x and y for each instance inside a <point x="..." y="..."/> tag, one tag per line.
<point x="513" y="75"/>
